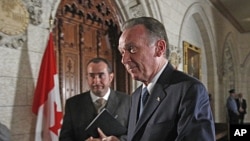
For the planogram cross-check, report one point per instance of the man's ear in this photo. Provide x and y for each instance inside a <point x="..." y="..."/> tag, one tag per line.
<point x="160" y="48"/>
<point x="111" y="76"/>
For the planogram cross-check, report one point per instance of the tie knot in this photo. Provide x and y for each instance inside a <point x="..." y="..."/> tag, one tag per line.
<point x="100" y="104"/>
<point x="100" y="101"/>
<point x="144" y="90"/>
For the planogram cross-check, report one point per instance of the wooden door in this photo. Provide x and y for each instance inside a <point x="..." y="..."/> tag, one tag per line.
<point x="86" y="29"/>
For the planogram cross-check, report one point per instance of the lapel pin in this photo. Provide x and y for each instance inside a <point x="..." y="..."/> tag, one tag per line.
<point x="158" y="99"/>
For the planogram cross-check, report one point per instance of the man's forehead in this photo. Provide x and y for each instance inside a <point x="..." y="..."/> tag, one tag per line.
<point x="127" y="41"/>
<point x="97" y="70"/>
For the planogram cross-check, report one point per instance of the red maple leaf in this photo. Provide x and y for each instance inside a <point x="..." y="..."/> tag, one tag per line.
<point x="58" y="118"/>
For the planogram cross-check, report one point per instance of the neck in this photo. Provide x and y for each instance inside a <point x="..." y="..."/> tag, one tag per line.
<point x="158" y="68"/>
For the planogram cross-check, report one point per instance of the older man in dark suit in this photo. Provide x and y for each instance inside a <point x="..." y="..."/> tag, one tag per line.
<point x="82" y="109"/>
<point x="170" y="105"/>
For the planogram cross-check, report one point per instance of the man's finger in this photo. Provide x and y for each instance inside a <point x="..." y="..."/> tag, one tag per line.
<point x="102" y="135"/>
<point x="89" y="139"/>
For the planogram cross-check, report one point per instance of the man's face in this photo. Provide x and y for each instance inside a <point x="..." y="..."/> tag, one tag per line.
<point x="234" y="95"/>
<point x="99" y="79"/>
<point x="138" y="54"/>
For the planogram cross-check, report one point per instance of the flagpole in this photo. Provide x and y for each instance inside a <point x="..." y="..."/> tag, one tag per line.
<point x="51" y="23"/>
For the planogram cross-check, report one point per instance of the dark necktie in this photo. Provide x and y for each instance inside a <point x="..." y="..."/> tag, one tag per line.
<point x="144" y="98"/>
<point x="99" y="104"/>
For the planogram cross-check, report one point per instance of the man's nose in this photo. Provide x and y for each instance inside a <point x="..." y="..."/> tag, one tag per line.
<point x="125" y="57"/>
<point x="96" y="79"/>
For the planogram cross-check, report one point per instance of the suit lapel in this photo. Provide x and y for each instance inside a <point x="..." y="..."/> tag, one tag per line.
<point x="157" y="95"/>
<point x="134" y="112"/>
<point x="84" y="102"/>
<point x="153" y="102"/>
<point x="112" y="102"/>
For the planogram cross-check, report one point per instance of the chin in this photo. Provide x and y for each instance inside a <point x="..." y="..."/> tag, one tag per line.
<point x="136" y="77"/>
<point x="97" y="92"/>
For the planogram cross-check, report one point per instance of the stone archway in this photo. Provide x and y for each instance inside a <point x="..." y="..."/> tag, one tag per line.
<point x="209" y="66"/>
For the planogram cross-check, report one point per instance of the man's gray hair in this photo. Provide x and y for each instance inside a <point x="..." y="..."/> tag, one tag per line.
<point x="155" y="28"/>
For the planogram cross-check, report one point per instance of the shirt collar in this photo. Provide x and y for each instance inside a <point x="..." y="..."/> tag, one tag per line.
<point x="94" y="97"/>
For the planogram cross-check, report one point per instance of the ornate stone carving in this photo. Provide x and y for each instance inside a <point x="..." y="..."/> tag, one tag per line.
<point x="137" y="11"/>
<point x="19" y="21"/>
<point x="228" y="65"/>
<point x="35" y="15"/>
<point x="37" y="3"/>
<point x="13" y="42"/>
<point x="35" y="12"/>
<point x="16" y="9"/>
<point x="14" y="21"/>
<point x="175" y="56"/>
<point x="13" y="17"/>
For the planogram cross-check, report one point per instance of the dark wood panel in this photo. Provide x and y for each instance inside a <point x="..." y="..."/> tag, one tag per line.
<point x="70" y="75"/>
<point x="86" y="29"/>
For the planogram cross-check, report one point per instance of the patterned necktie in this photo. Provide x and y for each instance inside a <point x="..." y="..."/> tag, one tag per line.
<point x="144" y="98"/>
<point x="99" y="104"/>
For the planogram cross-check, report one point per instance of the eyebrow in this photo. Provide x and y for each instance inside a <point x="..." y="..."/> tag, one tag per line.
<point x="129" y="45"/>
<point x="96" y="73"/>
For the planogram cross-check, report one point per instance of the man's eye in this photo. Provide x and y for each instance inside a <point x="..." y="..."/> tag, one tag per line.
<point x="122" y="52"/>
<point x="92" y="75"/>
<point x="101" y="75"/>
<point x="132" y="50"/>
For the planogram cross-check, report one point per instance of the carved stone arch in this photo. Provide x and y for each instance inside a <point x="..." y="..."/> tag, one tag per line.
<point x="228" y="65"/>
<point x="245" y="77"/>
<point x="196" y="15"/>
<point x="86" y="29"/>
<point x="139" y="8"/>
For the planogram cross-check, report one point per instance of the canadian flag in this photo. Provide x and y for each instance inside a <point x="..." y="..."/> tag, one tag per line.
<point x="47" y="102"/>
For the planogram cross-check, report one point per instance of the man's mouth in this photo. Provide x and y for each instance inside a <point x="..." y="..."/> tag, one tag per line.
<point x="130" y="67"/>
<point x="97" y="87"/>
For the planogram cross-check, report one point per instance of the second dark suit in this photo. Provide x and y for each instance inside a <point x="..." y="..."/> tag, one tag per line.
<point x="243" y="105"/>
<point x="80" y="111"/>
<point x="178" y="109"/>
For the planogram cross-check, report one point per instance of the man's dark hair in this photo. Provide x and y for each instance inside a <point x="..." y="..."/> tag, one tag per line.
<point x="99" y="59"/>
<point x="153" y="26"/>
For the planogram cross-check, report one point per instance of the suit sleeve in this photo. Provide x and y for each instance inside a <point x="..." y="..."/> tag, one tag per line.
<point x="66" y="133"/>
<point x="196" y="120"/>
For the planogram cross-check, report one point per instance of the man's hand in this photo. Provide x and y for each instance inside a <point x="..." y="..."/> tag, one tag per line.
<point x="93" y="139"/>
<point x="241" y="109"/>
<point x="103" y="137"/>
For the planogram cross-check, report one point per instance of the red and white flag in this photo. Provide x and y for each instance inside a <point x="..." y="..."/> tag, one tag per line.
<point x="47" y="103"/>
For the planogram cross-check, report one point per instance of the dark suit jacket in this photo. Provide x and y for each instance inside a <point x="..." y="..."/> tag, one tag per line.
<point x="80" y="111"/>
<point x="178" y="109"/>
<point x="244" y="105"/>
